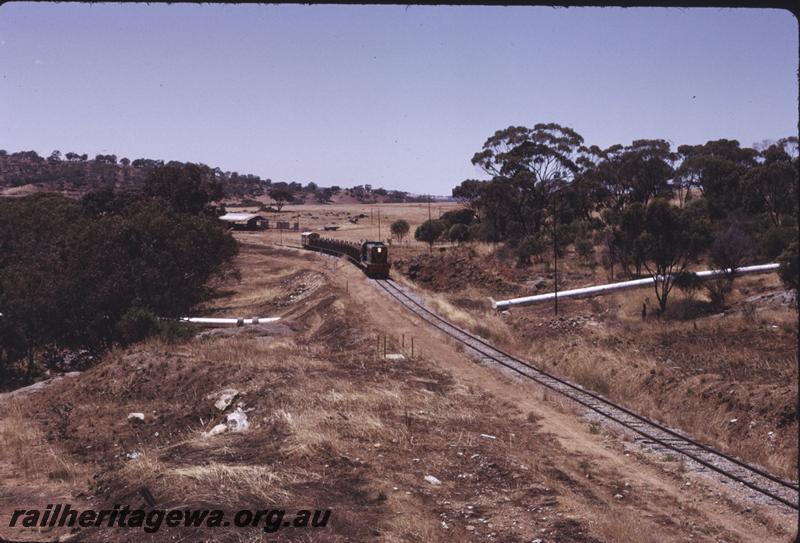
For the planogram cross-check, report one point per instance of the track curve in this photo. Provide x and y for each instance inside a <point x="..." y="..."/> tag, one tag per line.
<point x="650" y="432"/>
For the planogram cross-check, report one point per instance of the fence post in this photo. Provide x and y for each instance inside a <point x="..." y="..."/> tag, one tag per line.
<point x="412" y="347"/>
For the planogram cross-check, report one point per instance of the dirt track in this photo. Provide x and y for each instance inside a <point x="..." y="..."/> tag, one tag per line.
<point x="662" y="493"/>
<point x="335" y="422"/>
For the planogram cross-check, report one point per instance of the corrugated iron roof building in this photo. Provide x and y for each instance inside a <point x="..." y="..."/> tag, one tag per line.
<point x="245" y="221"/>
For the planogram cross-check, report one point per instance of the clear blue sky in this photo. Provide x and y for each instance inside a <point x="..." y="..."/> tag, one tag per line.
<point x="393" y="96"/>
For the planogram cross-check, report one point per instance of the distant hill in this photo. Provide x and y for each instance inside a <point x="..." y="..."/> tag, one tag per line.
<point x="71" y="174"/>
<point x="74" y="175"/>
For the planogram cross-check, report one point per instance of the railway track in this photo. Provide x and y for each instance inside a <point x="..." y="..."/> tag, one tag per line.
<point x="649" y="432"/>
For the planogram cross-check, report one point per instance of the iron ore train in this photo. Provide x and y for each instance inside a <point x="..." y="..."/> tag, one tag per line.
<point x="370" y="256"/>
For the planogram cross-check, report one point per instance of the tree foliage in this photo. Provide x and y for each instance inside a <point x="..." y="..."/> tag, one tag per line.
<point x="186" y="188"/>
<point x="281" y="195"/>
<point x="400" y="229"/>
<point x="70" y="271"/>
<point x="671" y="239"/>
<point x="544" y="182"/>
<point x="429" y="231"/>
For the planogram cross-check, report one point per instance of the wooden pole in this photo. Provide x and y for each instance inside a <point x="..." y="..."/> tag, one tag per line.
<point x="555" y="254"/>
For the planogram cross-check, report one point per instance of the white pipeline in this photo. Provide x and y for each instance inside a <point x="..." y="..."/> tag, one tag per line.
<point x="599" y="290"/>
<point x="238" y="322"/>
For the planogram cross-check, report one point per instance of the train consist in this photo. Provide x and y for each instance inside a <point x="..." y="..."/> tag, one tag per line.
<point x="370" y="256"/>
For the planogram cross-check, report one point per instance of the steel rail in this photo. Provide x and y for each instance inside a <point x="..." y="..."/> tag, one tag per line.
<point x="574" y="396"/>
<point x="575" y="391"/>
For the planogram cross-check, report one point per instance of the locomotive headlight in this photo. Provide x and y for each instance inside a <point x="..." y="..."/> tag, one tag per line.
<point x="379" y="249"/>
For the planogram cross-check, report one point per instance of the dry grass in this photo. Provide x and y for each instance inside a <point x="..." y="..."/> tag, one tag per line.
<point x="485" y="324"/>
<point x="25" y="447"/>
<point x="679" y="372"/>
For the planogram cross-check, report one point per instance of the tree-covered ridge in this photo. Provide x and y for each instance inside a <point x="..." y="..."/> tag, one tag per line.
<point x="76" y="174"/>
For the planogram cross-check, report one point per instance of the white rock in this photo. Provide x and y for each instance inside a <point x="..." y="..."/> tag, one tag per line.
<point x="225" y="398"/>
<point x="134" y="455"/>
<point x="237" y="421"/>
<point x="432" y="480"/>
<point x="618" y="496"/>
<point x="136" y="417"/>
<point x="216" y="430"/>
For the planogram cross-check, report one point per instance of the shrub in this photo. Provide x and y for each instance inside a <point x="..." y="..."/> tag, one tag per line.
<point x="458" y="216"/>
<point x="527" y="247"/>
<point x="731" y="249"/>
<point x="400" y="228"/>
<point x="80" y="276"/>
<point x="585" y="248"/>
<point x="458" y="233"/>
<point x="688" y="283"/>
<point x="790" y="267"/>
<point x="776" y="240"/>
<point x="429" y="231"/>
<point x="135" y="325"/>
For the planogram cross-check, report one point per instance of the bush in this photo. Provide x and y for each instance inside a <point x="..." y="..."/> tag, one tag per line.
<point x="429" y="231"/>
<point x="76" y="276"/>
<point x="776" y="240"/>
<point x="172" y="331"/>
<point x="458" y="233"/>
<point x="400" y="228"/>
<point x="688" y="283"/>
<point x="527" y="247"/>
<point x="483" y="231"/>
<point x="458" y="216"/>
<point x="731" y="249"/>
<point x="135" y="325"/>
<point x="790" y="267"/>
<point x="585" y="248"/>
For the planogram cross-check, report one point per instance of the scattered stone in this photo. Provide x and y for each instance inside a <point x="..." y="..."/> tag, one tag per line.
<point x="433" y="480"/>
<point x="224" y="398"/>
<point x="470" y="528"/>
<point x="618" y="496"/>
<point x="395" y="356"/>
<point x="237" y="421"/>
<point x="216" y="430"/>
<point x="134" y="455"/>
<point x="136" y="417"/>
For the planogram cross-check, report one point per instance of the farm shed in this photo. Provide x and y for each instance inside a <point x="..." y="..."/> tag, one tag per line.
<point x="245" y="221"/>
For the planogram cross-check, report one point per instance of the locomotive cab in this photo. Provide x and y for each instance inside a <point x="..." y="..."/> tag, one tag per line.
<point x="308" y="238"/>
<point x="374" y="252"/>
<point x="375" y="259"/>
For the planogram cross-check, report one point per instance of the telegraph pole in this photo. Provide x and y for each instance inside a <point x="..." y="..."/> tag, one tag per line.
<point x="555" y="253"/>
<point x="379" y="225"/>
<point x="430" y="245"/>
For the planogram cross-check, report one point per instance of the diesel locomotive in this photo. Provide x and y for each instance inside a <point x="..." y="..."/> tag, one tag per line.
<point x="370" y="256"/>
